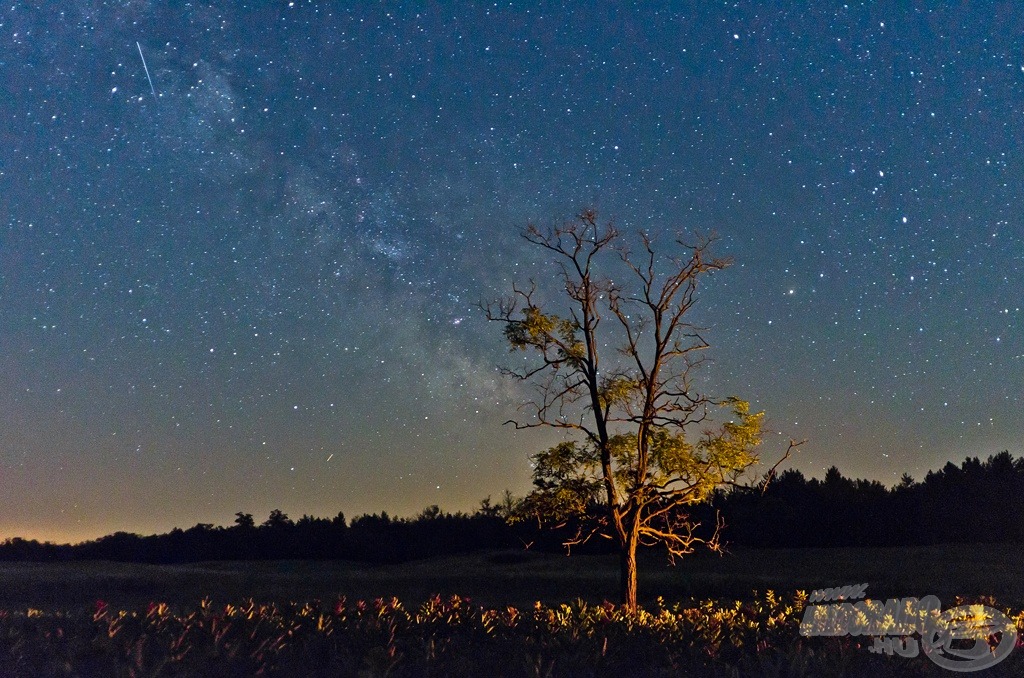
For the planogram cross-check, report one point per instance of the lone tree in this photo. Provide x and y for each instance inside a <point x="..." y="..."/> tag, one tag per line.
<point x="615" y="365"/>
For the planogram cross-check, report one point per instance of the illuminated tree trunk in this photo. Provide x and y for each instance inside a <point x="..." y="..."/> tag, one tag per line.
<point x="627" y="567"/>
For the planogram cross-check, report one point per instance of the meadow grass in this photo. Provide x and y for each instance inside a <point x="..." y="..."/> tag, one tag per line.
<point x="519" y="578"/>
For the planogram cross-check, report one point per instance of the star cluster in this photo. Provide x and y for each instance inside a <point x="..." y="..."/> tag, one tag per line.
<point x="254" y="285"/>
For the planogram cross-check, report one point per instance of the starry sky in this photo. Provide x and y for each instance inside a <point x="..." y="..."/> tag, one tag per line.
<point x="241" y="248"/>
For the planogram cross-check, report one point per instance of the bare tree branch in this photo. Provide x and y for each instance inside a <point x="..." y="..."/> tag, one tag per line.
<point x="627" y="387"/>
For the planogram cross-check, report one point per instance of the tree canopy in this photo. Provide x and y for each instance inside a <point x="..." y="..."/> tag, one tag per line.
<point x="613" y="363"/>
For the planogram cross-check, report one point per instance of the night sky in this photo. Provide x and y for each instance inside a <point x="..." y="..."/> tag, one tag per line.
<point x="249" y="281"/>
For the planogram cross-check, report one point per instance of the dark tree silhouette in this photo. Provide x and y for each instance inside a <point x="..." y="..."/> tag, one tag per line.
<point x="975" y="502"/>
<point x="277" y="519"/>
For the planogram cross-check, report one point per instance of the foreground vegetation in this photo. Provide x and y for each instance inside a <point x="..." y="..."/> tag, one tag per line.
<point x="443" y="636"/>
<point x="709" y="622"/>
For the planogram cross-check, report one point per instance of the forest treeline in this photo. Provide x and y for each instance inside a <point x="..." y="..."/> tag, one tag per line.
<point x="976" y="502"/>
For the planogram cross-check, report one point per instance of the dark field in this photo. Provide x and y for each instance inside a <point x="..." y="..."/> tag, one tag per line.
<point x="51" y="622"/>
<point x="520" y="578"/>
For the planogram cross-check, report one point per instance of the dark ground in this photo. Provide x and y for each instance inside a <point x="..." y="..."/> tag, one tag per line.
<point x="520" y="578"/>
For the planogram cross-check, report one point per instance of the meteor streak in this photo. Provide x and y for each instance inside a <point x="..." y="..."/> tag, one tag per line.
<point x="151" y="89"/>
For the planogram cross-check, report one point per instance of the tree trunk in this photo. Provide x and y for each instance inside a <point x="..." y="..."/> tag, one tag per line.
<point x="627" y="569"/>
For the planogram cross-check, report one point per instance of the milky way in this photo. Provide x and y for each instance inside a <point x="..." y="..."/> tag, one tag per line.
<point x="264" y="244"/>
